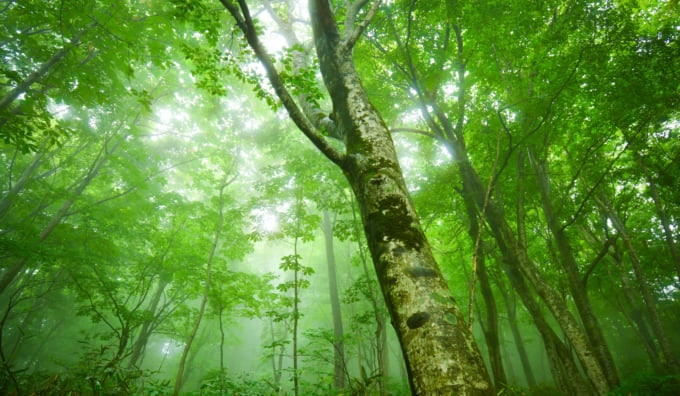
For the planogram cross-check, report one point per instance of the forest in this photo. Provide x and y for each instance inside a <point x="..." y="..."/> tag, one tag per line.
<point x="340" y="197"/>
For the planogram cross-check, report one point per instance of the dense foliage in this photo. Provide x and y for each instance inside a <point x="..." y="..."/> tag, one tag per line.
<point x="163" y="223"/>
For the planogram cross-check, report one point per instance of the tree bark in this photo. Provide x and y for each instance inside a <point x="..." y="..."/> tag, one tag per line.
<point x="378" y="311"/>
<point x="440" y="352"/>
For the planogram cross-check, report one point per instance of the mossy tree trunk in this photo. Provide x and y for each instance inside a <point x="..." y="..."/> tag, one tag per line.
<point x="440" y="352"/>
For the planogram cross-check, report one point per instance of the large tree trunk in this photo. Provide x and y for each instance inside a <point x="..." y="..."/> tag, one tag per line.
<point x="440" y="352"/>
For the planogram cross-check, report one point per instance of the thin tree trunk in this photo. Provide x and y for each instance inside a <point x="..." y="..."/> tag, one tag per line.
<point x="206" y="291"/>
<point x="338" y="333"/>
<point x="667" y="352"/>
<point x="491" y="330"/>
<point x="515" y="254"/>
<point x="148" y="326"/>
<point x="662" y="214"/>
<point x="277" y="358"/>
<point x="511" y="310"/>
<point x="568" y="381"/>
<point x="636" y="317"/>
<point x="658" y="205"/>
<point x="579" y="293"/>
<point x="220" y="320"/>
<point x="383" y="355"/>
<point x="296" y="320"/>
<point x="296" y="299"/>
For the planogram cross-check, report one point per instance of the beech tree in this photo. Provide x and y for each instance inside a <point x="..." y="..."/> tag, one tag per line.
<point x="539" y="142"/>
<point x="440" y="353"/>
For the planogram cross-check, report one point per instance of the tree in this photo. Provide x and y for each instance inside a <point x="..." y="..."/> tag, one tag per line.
<point x="538" y="141"/>
<point x="440" y="353"/>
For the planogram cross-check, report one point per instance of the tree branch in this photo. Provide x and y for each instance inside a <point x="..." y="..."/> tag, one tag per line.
<point x="603" y="252"/>
<point x="417" y="132"/>
<point x="356" y="32"/>
<point x="245" y="23"/>
<point x="353" y="9"/>
<point x="594" y="188"/>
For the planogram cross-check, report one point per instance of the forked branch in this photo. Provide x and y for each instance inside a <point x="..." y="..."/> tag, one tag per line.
<point x="241" y="15"/>
<point x="357" y="31"/>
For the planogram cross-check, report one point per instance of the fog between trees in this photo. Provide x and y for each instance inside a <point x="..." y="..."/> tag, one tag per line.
<point x="344" y="197"/>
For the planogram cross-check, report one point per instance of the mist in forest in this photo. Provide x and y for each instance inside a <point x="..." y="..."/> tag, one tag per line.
<point x="339" y="197"/>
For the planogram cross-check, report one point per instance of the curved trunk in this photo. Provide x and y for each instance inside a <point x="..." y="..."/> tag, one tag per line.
<point x="439" y="350"/>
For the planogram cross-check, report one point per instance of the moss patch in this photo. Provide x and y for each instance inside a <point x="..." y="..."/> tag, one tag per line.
<point x="394" y="221"/>
<point x="417" y="320"/>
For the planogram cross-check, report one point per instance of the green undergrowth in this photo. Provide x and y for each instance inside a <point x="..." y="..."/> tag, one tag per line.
<point x="639" y="384"/>
<point x="648" y="384"/>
